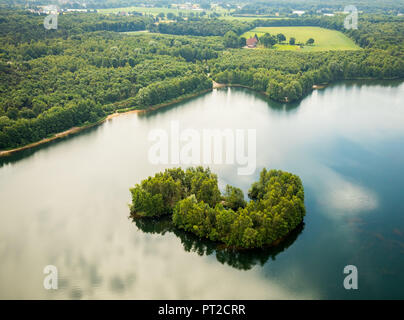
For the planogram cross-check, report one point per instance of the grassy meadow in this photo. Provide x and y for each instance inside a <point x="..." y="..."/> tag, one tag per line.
<point x="325" y="39"/>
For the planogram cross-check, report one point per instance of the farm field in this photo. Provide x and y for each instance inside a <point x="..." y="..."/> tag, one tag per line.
<point x="325" y="39"/>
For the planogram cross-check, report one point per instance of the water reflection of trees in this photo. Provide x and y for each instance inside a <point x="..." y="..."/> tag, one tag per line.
<point x="26" y="153"/>
<point x="239" y="259"/>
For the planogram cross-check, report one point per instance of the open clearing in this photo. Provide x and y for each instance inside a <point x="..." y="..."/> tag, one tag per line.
<point x="325" y="39"/>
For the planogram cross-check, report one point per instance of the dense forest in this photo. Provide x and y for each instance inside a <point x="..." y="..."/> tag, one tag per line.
<point x="290" y="75"/>
<point x="55" y="83"/>
<point x="194" y="201"/>
<point x="21" y="26"/>
<point x="205" y="27"/>
<point x="93" y="65"/>
<point x="286" y="7"/>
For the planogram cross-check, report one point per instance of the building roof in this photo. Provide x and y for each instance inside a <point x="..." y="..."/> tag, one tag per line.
<point x="251" y="41"/>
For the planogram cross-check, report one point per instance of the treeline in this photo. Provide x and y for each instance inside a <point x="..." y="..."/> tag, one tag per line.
<point x="54" y="120"/>
<point x="193" y="199"/>
<point x="381" y="32"/>
<point x="219" y="27"/>
<point x="166" y="90"/>
<point x="288" y="76"/>
<point x="205" y="27"/>
<point x="21" y="26"/>
<point x="313" y="7"/>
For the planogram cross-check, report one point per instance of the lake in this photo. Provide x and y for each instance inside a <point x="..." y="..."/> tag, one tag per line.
<point x="66" y="204"/>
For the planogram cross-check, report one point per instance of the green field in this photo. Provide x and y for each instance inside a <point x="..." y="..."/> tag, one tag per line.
<point x="325" y="39"/>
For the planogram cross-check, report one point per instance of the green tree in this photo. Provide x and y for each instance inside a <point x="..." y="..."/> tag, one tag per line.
<point x="281" y="37"/>
<point x="12" y="113"/>
<point x="231" y="40"/>
<point x="267" y="40"/>
<point x="310" y="41"/>
<point x="233" y="198"/>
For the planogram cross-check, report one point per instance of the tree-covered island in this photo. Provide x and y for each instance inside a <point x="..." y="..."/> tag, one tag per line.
<point x="195" y="203"/>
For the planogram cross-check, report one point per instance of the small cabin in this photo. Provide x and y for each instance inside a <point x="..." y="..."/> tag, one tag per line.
<point x="252" y="42"/>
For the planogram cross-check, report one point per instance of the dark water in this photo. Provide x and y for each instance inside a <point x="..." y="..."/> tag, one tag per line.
<point x="66" y="204"/>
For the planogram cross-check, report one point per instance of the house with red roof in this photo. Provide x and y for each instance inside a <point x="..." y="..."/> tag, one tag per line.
<point x="252" y="42"/>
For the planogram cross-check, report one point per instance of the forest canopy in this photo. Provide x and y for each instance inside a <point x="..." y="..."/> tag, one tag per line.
<point x="193" y="199"/>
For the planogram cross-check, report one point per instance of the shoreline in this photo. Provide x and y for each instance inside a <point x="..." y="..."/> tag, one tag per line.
<point x="220" y="245"/>
<point x="318" y="86"/>
<point x="54" y="137"/>
<point x="75" y="130"/>
<point x="215" y="85"/>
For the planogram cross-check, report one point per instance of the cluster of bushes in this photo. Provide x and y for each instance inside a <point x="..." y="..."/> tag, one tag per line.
<point x="193" y="199"/>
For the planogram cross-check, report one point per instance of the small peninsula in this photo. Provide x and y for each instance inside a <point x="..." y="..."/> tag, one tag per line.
<point x="193" y="200"/>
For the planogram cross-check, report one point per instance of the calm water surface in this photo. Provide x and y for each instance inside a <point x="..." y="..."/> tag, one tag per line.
<point x="66" y="204"/>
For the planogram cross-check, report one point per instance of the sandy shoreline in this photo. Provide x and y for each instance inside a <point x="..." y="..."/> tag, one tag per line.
<point x="218" y="85"/>
<point x="79" y="129"/>
<point x="64" y="133"/>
